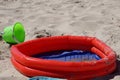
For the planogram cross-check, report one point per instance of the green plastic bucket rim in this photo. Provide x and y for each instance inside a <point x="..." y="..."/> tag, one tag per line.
<point x="14" y="33"/>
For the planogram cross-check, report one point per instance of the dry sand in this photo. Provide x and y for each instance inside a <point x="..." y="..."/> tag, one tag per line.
<point x="99" y="18"/>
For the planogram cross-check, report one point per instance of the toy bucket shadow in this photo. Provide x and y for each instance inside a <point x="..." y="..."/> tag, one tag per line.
<point x="113" y="74"/>
<point x="14" y="34"/>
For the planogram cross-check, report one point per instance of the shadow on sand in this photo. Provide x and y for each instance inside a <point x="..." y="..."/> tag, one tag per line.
<point x="112" y="75"/>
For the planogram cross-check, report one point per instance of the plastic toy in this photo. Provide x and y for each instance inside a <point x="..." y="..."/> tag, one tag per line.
<point x="44" y="78"/>
<point x="24" y="60"/>
<point x="14" y="34"/>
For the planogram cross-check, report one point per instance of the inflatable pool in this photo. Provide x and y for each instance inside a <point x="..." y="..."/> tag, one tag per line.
<point x="25" y="60"/>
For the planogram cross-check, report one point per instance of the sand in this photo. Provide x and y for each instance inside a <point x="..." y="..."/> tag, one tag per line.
<point x="98" y="18"/>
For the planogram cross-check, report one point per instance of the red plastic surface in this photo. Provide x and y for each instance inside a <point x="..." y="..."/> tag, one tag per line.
<point x="24" y="62"/>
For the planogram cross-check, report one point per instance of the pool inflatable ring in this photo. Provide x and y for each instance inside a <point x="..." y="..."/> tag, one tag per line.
<point x="30" y="66"/>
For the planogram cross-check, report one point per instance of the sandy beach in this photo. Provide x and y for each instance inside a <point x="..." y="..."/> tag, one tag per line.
<point x="97" y="18"/>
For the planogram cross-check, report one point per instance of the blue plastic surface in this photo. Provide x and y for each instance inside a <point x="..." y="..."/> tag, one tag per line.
<point x="75" y="55"/>
<point x="44" y="78"/>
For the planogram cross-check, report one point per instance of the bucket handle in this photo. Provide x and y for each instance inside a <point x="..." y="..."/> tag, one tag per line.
<point x="1" y="33"/>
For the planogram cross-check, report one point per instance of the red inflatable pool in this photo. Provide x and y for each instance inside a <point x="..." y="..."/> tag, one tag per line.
<point x="23" y="60"/>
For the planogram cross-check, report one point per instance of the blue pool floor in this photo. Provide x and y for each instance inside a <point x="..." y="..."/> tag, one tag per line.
<point x="73" y="55"/>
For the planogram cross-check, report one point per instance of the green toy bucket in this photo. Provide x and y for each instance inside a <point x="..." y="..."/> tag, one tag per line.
<point x="14" y="34"/>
